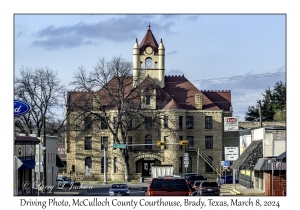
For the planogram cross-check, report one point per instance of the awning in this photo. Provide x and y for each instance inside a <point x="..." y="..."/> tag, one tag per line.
<point x="59" y="162"/>
<point x="249" y="157"/>
<point x="264" y="165"/>
<point x="282" y="156"/>
<point x="27" y="164"/>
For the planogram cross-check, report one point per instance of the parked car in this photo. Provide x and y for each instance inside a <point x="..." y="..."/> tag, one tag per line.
<point x="191" y="179"/>
<point x="168" y="186"/>
<point x="196" y="186"/>
<point x="64" y="181"/>
<point x="119" y="189"/>
<point x="208" y="188"/>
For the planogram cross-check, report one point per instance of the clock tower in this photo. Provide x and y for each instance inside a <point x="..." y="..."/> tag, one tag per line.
<point x="149" y="60"/>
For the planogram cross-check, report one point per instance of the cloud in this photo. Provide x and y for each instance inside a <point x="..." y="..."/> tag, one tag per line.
<point x="116" y="29"/>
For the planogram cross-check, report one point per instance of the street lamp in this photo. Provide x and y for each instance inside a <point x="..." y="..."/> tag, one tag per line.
<point x="105" y="160"/>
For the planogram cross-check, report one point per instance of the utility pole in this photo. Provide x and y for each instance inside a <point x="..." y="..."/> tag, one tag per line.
<point x="45" y="156"/>
<point x="260" y="114"/>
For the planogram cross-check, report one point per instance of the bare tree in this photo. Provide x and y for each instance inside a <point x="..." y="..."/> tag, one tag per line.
<point x="42" y="89"/>
<point x="110" y="86"/>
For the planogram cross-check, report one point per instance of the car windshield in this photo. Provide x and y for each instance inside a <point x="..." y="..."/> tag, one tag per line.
<point x="209" y="184"/>
<point x="66" y="178"/>
<point x="119" y="186"/>
<point x="179" y="184"/>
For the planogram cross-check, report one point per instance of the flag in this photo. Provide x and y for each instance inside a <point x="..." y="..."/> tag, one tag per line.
<point x="277" y="165"/>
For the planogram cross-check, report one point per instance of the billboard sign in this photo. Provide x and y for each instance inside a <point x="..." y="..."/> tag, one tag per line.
<point x="231" y="124"/>
<point x="21" y="108"/>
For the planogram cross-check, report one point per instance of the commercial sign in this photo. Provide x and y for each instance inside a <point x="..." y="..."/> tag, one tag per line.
<point x="231" y="124"/>
<point x="20" y="108"/>
<point x="231" y="153"/>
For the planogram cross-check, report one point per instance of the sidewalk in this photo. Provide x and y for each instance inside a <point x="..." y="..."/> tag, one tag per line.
<point x="239" y="190"/>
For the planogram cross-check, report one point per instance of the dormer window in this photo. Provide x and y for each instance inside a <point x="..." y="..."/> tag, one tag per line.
<point x="147" y="100"/>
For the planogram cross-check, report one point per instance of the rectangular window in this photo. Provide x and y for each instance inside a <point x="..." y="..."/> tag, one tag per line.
<point x="166" y="123"/>
<point x="104" y="140"/>
<point x="88" y="143"/>
<point x="129" y="143"/>
<point x="115" y="122"/>
<point x="115" y="165"/>
<point x="208" y="142"/>
<point x="208" y="122"/>
<point x="141" y="65"/>
<point x="189" y="122"/>
<point x="87" y="122"/>
<point x="166" y="139"/>
<point x="191" y="141"/>
<point x="73" y="168"/>
<point x="180" y="146"/>
<point x="180" y="122"/>
<point x="148" y="123"/>
<point x="156" y="66"/>
<point x="147" y="100"/>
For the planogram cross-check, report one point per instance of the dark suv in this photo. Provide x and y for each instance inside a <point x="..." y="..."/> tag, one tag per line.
<point x="209" y="188"/>
<point x="168" y="186"/>
<point x="191" y="179"/>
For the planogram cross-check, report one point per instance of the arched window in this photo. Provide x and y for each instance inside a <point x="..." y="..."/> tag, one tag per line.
<point x="148" y="63"/>
<point x="208" y="168"/>
<point x="102" y="165"/>
<point x="180" y="164"/>
<point x="88" y="162"/>
<point x="148" y="140"/>
<point x="115" y="165"/>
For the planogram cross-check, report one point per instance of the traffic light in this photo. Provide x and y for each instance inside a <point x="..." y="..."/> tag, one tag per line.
<point x="184" y="142"/>
<point x="161" y="143"/>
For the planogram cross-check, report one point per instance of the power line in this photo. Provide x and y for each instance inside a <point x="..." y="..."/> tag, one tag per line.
<point x="241" y="77"/>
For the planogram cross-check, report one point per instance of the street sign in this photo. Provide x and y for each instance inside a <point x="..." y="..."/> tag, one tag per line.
<point x="186" y="158"/>
<point x="186" y="154"/>
<point x="186" y="166"/>
<point x="121" y="146"/>
<point x="186" y="162"/>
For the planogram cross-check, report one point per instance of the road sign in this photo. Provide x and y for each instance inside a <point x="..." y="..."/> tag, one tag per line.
<point x="186" y="162"/>
<point x="186" y="158"/>
<point x="121" y="146"/>
<point x="186" y="154"/>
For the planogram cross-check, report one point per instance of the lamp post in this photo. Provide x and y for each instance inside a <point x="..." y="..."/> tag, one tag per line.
<point x="105" y="162"/>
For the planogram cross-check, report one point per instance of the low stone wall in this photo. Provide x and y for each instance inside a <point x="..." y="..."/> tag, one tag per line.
<point x="264" y="124"/>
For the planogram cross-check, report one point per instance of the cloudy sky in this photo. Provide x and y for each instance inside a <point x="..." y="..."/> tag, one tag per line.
<point x="241" y="53"/>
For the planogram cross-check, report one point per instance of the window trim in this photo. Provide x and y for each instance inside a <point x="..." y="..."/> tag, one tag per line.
<point x="190" y="122"/>
<point x="208" y="122"/>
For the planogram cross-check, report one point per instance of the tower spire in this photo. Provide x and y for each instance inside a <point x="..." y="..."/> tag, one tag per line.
<point x="149" y="26"/>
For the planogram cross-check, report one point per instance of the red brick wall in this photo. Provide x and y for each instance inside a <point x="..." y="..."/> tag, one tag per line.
<point x="279" y="184"/>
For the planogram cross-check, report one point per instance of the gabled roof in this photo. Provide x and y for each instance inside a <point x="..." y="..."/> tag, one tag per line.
<point x="149" y="40"/>
<point x="184" y="94"/>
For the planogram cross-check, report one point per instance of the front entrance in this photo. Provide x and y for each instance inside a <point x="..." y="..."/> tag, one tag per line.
<point x="146" y="171"/>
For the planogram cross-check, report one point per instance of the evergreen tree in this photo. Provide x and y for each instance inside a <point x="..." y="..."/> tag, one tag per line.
<point x="273" y="105"/>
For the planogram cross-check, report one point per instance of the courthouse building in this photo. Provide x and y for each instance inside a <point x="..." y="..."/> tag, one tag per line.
<point x="187" y="113"/>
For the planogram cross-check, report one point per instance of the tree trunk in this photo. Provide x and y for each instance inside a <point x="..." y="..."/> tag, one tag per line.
<point x="125" y="157"/>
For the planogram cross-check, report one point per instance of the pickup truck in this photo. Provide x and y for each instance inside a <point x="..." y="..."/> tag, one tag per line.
<point x="168" y="186"/>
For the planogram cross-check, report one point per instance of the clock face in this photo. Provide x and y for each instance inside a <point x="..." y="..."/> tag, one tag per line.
<point x="149" y="50"/>
<point x="29" y="150"/>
